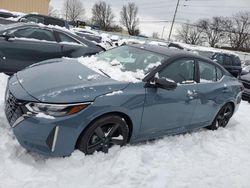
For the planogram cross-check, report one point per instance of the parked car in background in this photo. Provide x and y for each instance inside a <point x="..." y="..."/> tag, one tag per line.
<point x="34" y="18"/>
<point x="57" y="107"/>
<point x="23" y="44"/>
<point x="231" y="62"/>
<point x="46" y="20"/>
<point x="6" y="14"/>
<point x="88" y="34"/>
<point x="245" y="70"/>
<point x="245" y="79"/>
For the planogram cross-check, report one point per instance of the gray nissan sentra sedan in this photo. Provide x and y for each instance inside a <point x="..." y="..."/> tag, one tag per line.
<point x="61" y="105"/>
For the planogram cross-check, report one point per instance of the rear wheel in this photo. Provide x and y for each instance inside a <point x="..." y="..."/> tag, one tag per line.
<point x="223" y="117"/>
<point x="103" y="134"/>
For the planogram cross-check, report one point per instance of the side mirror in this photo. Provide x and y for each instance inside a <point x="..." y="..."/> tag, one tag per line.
<point x="165" y="83"/>
<point x="7" y="35"/>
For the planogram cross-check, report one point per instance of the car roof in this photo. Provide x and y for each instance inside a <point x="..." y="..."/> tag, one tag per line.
<point x="45" y="16"/>
<point x="170" y="52"/>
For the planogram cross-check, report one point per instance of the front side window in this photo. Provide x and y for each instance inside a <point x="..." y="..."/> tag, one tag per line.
<point x="35" y="33"/>
<point x="65" y="38"/>
<point x="181" y="71"/>
<point x="207" y="72"/>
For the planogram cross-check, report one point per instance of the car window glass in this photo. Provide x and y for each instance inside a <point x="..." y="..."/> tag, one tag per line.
<point x="35" y="19"/>
<point x="181" y="71"/>
<point x="51" y="21"/>
<point x="237" y="61"/>
<point x="65" y="38"/>
<point x="218" y="58"/>
<point x="207" y="72"/>
<point x="35" y="33"/>
<point x="219" y="73"/>
<point x="228" y="60"/>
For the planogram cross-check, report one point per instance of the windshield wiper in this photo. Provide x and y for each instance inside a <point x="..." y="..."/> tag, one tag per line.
<point x="104" y="73"/>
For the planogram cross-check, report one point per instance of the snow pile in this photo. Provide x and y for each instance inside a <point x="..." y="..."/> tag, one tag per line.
<point x="199" y="159"/>
<point x="113" y="69"/>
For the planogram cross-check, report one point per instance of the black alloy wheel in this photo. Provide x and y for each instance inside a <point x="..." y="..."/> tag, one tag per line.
<point x="223" y="117"/>
<point x="103" y="134"/>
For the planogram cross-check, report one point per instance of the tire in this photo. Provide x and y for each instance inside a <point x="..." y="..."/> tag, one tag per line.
<point x="104" y="133"/>
<point x="222" y="118"/>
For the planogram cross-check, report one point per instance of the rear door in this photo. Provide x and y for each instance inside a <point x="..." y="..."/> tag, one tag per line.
<point x="30" y="45"/>
<point x="211" y="92"/>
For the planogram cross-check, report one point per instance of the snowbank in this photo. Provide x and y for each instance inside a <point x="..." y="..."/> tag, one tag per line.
<point x="199" y="159"/>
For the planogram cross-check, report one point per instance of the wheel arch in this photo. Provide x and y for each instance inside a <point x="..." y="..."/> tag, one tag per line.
<point x="121" y="114"/>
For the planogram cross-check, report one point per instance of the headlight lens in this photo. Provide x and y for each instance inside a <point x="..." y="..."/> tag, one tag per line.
<point x="56" y="110"/>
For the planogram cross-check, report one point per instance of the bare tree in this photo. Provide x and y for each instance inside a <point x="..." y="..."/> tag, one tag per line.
<point x="190" y="34"/>
<point x="213" y="29"/>
<point x="129" y="18"/>
<point x="102" y="15"/>
<point x="73" y="10"/>
<point x="239" y="30"/>
<point x="53" y="12"/>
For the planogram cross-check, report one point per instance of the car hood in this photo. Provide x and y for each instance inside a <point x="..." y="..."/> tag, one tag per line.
<point x="66" y="81"/>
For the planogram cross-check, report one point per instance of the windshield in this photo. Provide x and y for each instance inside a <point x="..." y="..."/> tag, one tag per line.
<point x="131" y="58"/>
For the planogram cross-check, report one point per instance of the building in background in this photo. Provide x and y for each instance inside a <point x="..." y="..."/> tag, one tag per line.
<point x="26" y="6"/>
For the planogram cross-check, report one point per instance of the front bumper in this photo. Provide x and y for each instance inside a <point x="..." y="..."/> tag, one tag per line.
<point x="55" y="137"/>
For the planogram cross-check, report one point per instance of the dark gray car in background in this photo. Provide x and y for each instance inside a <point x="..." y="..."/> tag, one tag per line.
<point x="23" y="44"/>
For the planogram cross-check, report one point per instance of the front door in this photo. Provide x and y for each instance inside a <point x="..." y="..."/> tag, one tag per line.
<point x="170" y="111"/>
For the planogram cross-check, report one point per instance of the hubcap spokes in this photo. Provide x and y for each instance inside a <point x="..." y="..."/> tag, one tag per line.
<point x="107" y="136"/>
<point x="224" y="116"/>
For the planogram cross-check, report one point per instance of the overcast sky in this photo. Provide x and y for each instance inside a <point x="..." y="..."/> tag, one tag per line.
<point x="152" y="11"/>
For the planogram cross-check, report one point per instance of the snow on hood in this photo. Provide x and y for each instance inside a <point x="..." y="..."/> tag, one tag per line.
<point x="65" y="81"/>
<point x="113" y="69"/>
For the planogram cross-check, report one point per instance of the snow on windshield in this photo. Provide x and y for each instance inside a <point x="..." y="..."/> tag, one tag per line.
<point x="124" y="63"/>
<point x="113" y="70"/>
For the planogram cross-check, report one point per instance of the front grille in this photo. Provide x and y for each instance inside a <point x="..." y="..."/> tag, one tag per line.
<point x="13" y="108"/>
<point x="246" y="84"/>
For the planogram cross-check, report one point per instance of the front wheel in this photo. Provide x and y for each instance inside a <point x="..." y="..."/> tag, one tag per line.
<point x="223" y="117"/>
<point x="104" y="133"/>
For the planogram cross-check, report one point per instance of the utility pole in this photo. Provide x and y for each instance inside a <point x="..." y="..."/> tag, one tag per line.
<point x="172" y="25"/>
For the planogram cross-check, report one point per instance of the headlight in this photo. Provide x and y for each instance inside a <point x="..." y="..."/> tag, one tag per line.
<point x="56" y="109"/>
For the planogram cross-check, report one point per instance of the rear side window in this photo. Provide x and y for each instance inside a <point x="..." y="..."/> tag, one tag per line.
<point x="207" y="72"/>
<point x="35" y="33"/>
<point x="219" y="73"/>
<point x="65" y="38"/>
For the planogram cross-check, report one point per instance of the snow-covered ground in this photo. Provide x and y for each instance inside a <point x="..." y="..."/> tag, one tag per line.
<point x="199" y="159"/>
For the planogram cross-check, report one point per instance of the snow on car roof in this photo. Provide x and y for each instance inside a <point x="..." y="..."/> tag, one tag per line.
<point x="191" y="47"/>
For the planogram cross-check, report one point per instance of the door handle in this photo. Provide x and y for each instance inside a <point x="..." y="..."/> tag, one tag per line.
<point x="191" y="94"/>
